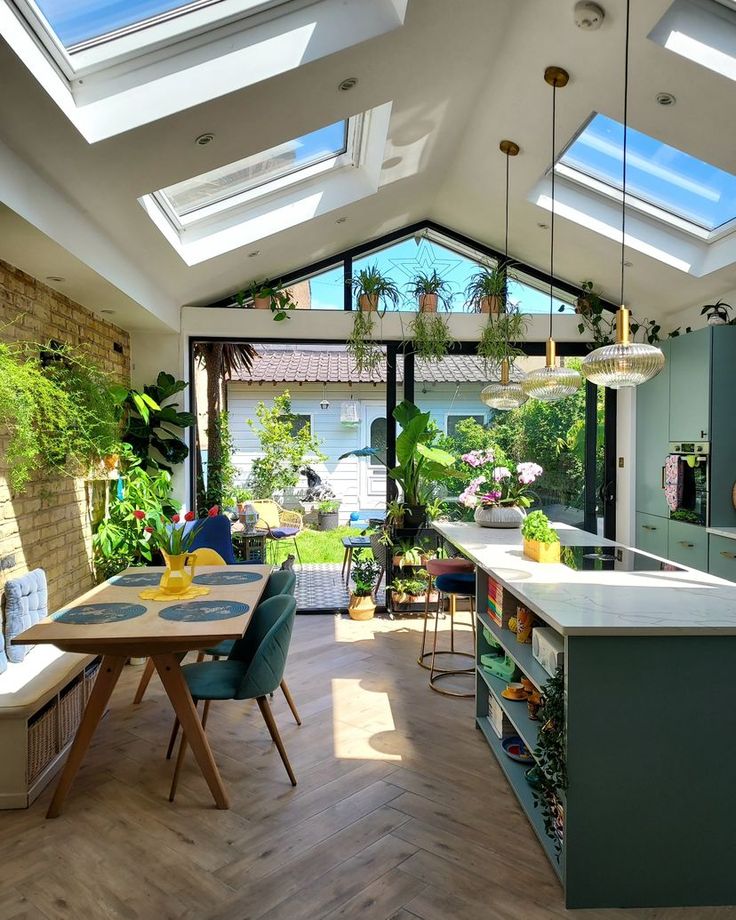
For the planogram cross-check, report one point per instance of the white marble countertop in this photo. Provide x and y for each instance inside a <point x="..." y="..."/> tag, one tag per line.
<point x="729" y="532"/>
<point x="589" y="603"/>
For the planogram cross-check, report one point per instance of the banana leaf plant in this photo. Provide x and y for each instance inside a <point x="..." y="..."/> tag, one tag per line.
<point x="419" y="465"/>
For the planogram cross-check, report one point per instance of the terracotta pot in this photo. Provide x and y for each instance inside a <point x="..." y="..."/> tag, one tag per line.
<point x="428" y="303"/>
<point x="111" y="461"/>
<point x="490" y="304"/>
<point x="262" y="303"/>
<point x="361" y="608"/>
<point x="499" y="516"/>
<point x="368" y="303"/>
<point x="399" y="561"/>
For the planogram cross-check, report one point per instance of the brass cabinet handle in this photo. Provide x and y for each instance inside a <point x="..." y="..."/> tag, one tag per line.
<point x="686" y="544"/>
<point x="727" y="555"/>
<point x="648" y="527"/>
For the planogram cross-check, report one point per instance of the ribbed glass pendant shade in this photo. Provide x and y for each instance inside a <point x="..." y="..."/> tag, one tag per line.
<point x="505" y="393"/>
<point x="625" y="364"/>
<point x="550" y="383"/>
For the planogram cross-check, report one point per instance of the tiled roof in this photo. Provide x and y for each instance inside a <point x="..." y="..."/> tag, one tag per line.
<point x="324" y="364"/>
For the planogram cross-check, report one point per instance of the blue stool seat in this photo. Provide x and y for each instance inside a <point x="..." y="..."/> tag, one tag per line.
<point x="462" y="583"/>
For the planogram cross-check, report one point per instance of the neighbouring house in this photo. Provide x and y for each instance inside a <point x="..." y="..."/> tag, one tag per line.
<point x="347" y="410"/>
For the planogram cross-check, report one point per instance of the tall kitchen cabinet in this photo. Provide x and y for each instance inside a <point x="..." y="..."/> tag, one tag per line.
<point x="692" y="399"/>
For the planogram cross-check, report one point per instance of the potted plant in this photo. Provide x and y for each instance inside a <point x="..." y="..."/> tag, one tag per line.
<point x="419" y="464"/>
<point x="498" y="334"/>
<point x="328" y="514"/>
<point x="588" y="300"/>
<point x="409" y="554"/>
<point x="430" y="336"/>
<point x="266" y="296"/>
<point x="174" y="541"/>
<point x="550" y="772"/>
<point x="429" y="289"/>
<point x="499" y="495"/>
<point x="411" y="590"/>
<point x="486" y="290"/>
<point x="371" y="288"/>
<point x="717" y="312"/>
<point x="364" y="350"/>
<point x="541" y="542"/>
<point x="365" y="571"/>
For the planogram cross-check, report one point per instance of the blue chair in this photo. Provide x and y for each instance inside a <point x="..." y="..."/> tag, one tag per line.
<point x="215" y="533"/>
<point x="254" y="668"/>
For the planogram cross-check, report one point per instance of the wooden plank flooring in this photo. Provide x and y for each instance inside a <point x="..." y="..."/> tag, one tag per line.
<point x="400" y="812"/>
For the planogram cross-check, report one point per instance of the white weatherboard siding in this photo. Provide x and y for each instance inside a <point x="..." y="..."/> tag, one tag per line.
<point x="350" y="477"/>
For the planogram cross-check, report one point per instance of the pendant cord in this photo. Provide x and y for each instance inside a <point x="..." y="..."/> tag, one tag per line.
<point x="552" y="222"/>
<point x="626" y="131"/>
<point x="505" y="264"/>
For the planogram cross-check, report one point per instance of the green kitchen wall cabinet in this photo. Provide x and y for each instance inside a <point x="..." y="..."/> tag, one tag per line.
<point x="690" y="382"/>
<point x="652" y="440"/>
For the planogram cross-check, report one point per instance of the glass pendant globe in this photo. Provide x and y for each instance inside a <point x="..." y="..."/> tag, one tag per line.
<point x="551" y="383"/>
<point x="503" y="396"/>
<point x="622" y="365"/>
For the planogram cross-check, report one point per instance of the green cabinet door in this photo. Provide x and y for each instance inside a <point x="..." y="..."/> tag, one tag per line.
<point x="651" y="534"/>
<point x="722" y="557"/>
<point x="652" y="441"/>
<point x="690" y="371"/>
<point x="688" y="545"/>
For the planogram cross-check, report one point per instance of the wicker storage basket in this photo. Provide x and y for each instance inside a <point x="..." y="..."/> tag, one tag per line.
<point x="90" y="675"/>
<point x="71" y="704"/>
<point x="42" y="733"/>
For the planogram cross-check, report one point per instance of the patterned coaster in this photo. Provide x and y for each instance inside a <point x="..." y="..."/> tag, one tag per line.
<point x="136" y="580"/>
<point x="227" y="578"/>
<point x="88" y="614"/>
<point x="158" y="594"/>
<point x="202" y="611"/>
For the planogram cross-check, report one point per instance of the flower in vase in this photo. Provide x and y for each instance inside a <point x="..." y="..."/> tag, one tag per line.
<point x="189" y="516"/>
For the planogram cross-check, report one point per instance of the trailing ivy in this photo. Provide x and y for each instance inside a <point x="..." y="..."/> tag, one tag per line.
<point x="431" y="335"/>
<point x="551" y="754"/>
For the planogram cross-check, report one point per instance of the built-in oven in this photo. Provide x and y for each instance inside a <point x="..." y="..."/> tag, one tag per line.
<point x="685" y="480"/>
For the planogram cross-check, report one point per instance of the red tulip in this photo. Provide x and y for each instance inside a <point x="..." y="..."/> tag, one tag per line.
<point x="175" y="519"/>
<point x="139" y="515"/>
<point x="214" y="511"/>
<point x="189" y="516"/>
<point x="148" y="529"/>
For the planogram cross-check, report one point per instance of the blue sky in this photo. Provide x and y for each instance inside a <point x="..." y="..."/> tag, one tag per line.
<point x="656" y="173"/>
<point x="78" y="20"/>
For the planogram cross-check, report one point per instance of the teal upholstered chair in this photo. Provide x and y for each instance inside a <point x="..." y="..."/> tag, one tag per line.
<point x="254" y="668"/>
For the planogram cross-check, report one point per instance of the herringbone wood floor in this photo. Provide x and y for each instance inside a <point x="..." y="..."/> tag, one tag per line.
<point x="400" y="811"/>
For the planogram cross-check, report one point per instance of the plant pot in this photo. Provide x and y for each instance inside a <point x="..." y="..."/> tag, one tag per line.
<point x="328" y="520"/>
<point x="398" y="561"/>
<point x="428" y="303"/>
<point x="398" y="599"/>
<point x="716" y="321"/>
<point x="368" y="303"/>
<point x="361" y="608"/>
<point x="490" y="305"/>
<point x="542" y="552"/>
<point x="111" y="461"/>
<point x="262" y="303"/>
<point x="499" y="516"/>
<point x="176" y="579"/>
<point x="414" y="516"/>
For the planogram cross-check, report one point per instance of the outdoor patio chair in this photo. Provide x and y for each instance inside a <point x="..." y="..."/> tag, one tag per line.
<point x="254" y="669"/>
<point x="380" y="554"/>
<point x="278" y="523"/>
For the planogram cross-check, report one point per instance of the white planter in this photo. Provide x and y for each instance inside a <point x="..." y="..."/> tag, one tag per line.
<point x="716" y="321"/>
<point x="499" y="516"/>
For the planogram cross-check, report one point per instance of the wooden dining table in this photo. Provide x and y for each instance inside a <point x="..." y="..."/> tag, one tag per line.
<point x="113" y="621"/>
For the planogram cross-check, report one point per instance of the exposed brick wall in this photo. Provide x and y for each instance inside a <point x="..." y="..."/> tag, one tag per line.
<point x="50" y="524"/>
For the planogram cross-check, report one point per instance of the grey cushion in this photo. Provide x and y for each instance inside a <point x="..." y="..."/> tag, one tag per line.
<point x="3" y="656"/>
<point x="26" y="602"/>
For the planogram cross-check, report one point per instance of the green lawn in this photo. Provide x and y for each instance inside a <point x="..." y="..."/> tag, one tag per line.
<point x="317" y="545"/>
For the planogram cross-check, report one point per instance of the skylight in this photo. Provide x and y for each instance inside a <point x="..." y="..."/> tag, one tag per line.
<point x="659" y="177"/>
<point x="294" y="160"/>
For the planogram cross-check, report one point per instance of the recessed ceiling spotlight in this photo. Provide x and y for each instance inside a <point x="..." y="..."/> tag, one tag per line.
<point x="588" y="16"/>
<point x="665" y="99"/>
<point x="56" y="278"/>
<point x="254" y="253"/>
<point x="341" y="220"/>
<point x="543" y="226"/>
<point x="204" y="139"/>
<point x="108" y="312"/>
<point x="347" y="84"/>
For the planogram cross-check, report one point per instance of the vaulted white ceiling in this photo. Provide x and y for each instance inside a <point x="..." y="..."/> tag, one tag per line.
<point x="461" y="76"/>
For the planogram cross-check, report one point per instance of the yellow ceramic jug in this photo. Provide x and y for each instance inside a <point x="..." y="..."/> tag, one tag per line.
<point x="176" y="579"/>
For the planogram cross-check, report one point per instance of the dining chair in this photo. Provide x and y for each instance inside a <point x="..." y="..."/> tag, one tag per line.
<point x="278" y="523"/>
<point x="279" y="583"/>
<point x="253" y="670"/>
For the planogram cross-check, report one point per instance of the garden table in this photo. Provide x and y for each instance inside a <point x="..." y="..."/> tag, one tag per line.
<point x="113" y="621"/>
<point x="350" y="544"/>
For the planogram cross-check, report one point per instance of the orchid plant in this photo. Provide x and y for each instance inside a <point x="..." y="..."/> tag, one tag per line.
<point x="497" y="485"/>
<point x="170" y="535"/>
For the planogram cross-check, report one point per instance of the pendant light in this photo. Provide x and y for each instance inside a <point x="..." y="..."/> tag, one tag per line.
<point x="504" y="393"/>
<point x="627" y="363"/>
<point x="550" y="383"/>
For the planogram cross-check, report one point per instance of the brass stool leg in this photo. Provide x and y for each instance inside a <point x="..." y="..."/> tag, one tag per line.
<point x="435" y="651"/>
<point x="435" y="675"/>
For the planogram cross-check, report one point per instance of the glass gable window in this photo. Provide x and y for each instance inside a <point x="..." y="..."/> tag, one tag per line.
<point x="661" y="177"/>
<point x="261" y="172"/>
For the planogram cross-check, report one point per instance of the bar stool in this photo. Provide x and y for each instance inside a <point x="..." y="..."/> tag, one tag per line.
<point x="457" y="584"/>
<point x="435" y="568"/>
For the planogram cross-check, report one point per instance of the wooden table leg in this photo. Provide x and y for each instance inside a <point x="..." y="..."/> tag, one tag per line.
<point x="109" y="673"/>
<point x="181" y="699"/>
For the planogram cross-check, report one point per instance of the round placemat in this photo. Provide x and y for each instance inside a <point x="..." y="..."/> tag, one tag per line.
<point x="227" y="578"/>
<point x="136" y="580"/>
<point x="203" y="611"/>
<point x="89" y="614"/>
